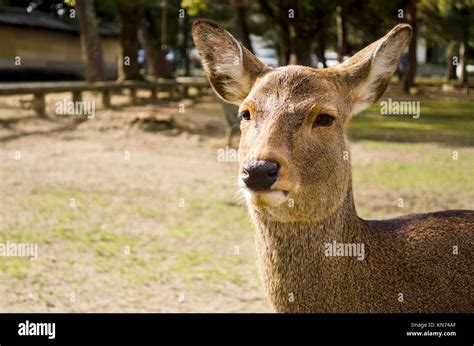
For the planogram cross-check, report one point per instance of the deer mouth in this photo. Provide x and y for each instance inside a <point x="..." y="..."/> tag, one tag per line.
<point x="266" y="198"/>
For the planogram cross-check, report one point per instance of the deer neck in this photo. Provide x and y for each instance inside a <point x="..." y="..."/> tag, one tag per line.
<point x="292" y="260"/>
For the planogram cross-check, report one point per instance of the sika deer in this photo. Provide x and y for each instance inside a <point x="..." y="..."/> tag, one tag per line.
<point x="297" y="184"/>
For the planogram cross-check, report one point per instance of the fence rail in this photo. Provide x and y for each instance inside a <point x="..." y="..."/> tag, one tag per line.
<point x="40" y="89"/>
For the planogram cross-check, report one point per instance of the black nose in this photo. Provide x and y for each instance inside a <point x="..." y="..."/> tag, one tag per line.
<point x="260" y="175"/>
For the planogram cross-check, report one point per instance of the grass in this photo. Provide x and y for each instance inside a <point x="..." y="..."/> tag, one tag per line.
<point x="433" y="171"/>
<point x="146" y="261"/>
<point x="415" y="158"/>
<point x="447" y="122"/>
<point x="216" y="222"/>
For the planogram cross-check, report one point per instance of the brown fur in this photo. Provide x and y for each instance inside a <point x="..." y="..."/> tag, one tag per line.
<point x="412" y="255"/>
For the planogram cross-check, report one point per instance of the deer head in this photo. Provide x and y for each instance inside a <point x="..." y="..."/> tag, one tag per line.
<point x="294" y="164"/>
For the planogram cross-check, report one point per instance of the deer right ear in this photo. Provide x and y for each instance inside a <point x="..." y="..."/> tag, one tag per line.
<point x="231" y="68"/>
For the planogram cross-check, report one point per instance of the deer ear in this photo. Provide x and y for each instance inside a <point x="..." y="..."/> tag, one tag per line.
<point x="369" y="71"/>
<point x="231" y="68"/>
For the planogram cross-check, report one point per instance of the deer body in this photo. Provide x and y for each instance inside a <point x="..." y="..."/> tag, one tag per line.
<point x="296" y="179"/>
<point x="417" y="272"/>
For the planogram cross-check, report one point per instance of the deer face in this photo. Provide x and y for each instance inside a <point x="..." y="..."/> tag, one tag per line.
<point x="292" y="144"/>
<point x="294" y="160"/>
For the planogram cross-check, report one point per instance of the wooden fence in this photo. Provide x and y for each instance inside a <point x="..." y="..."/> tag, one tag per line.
<point x="40" y="89"/>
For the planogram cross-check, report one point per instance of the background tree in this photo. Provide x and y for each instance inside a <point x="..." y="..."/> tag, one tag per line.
<point x="410" y="73"/>
<point x="151" y="40"/>
<point x="452" y="50"/>
<point x="451" y="22"/>
<point x="150" y="45"/>
<point x="295" y="28"/>
<point x="300" y="23"/>
<point x="184" y="44"/>
<point x="90" y="40"/>
<point x="279" y="19"/>
<point x="241" y="23"/>
<point x="130" y="13"/>
<point x="341" y="30"/>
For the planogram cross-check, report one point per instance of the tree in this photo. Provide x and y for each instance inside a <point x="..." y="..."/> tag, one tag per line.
<point x="410" y="73"/>
<point x="341" y="31"/>
<point x="452" y="22"/>
<point x="151" y="37"/>
<point x="184" y="43"/>
<point x="241" y="24"/>
<point x="280" y="19"/>
<point x="451" y="50"/>
<point x="150" y="45"/>
<point x="90" y="40"/>
<point x="299" y="24"/>
<point x="234" y="18"/>
<point x="130" y="13"/>
<point x="165" y="69"/>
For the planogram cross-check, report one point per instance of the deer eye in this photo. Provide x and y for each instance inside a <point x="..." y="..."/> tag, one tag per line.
<point x="323" y="120"/>
<point x="245" y="115"/>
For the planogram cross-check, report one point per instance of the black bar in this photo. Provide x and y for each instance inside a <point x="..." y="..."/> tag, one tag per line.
<point x="220" y="329"/>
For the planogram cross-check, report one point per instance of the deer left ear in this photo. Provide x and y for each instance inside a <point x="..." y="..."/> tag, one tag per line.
<point x="369" y="71"/>
<point x="231" y="68"/>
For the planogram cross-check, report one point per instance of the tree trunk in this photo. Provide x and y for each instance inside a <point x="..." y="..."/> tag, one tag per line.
<point x="150" y="46"/>
<point x="282" y="31"/>
<point x="285" y="46"/>
<point x="450" y="67"/>
<point x="165" y="69"/>
<point x="184" y="45"/>
<point x="320" y="49"/>
<point x="411" y="68"/>
<point x="130" y="16"/>
<point x="302" y="50"/>
<point x="464" y="53"/>
<point x="341" y="33"/>
<point x="90" y="41"/>
<point x="300" y="43"/>
<point x="241" y="24"/>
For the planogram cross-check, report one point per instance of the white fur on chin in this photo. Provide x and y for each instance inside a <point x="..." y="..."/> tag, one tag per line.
<point x="271" y="198"/>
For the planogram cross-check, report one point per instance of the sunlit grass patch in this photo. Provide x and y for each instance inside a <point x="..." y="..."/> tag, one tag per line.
<point x="433" y="170"/>
<point x="440" y="121"/>
<point x="18" y="267"/>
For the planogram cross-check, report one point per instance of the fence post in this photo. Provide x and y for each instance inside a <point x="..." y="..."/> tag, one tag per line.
<point x="153" y="91"/>
<point x="39" y="104"/>
<point x="76" y="96"/>
<point x="133" y="95"/>
<point x="106" y="96"/>
<point x="172" y="92"/>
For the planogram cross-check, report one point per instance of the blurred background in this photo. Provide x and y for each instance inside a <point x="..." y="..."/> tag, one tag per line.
<point x="155" y="35"/>
<point x="120" y="163"/>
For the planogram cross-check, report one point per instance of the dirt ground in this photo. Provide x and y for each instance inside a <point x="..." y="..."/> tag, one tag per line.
<point x="125" y="168"/>
<point x="128" y="220"/>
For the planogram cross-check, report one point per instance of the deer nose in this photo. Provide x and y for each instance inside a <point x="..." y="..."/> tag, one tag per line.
<point x="260" y="175"/>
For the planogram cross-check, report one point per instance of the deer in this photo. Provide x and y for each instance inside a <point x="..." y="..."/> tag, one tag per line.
<point x="297" y="183"/>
